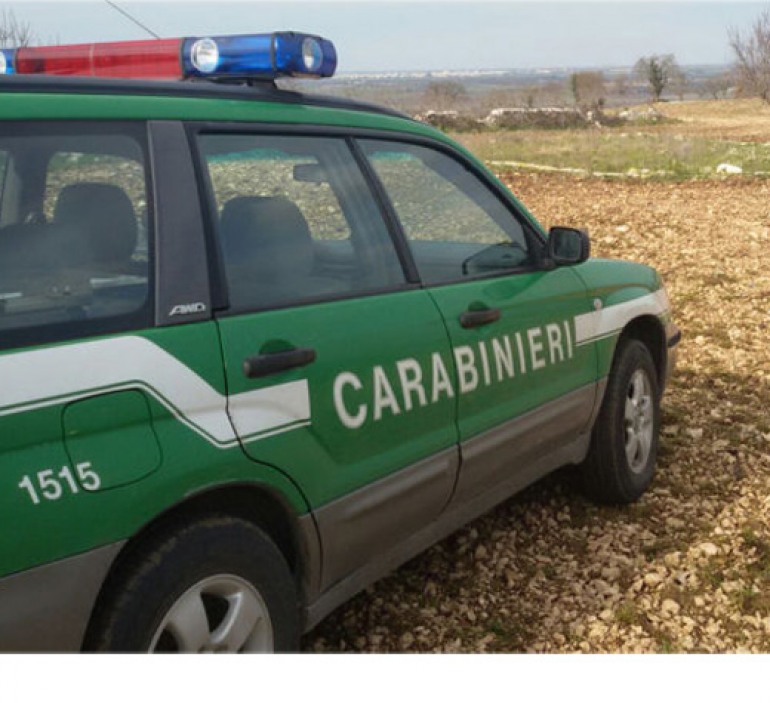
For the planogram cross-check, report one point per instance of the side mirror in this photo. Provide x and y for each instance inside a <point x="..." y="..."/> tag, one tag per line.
<point x="568" y="246"/>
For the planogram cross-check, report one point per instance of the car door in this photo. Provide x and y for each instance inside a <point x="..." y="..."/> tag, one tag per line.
<point x="328" y="349"/>
<point x="525" y="389"/>
<point x="93" y="397"/>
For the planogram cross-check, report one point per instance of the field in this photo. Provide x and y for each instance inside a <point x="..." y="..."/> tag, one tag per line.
<point x="687" y="568"/>
<point x="696" y="138"/>
<point x="736" y="120"/>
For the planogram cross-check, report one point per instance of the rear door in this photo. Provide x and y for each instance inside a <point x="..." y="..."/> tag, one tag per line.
<point x="524" y="387"/>
<point x="93" y="398"/>
<point x="329" y="350"/>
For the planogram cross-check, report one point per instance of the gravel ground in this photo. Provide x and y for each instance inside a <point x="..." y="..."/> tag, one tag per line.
<point x="687" y="568"/>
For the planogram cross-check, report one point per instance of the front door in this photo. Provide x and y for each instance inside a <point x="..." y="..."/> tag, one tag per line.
<point x="524" y="387"/>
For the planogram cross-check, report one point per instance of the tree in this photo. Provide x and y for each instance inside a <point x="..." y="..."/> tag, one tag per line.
<point x="444" y="95"/>
<point x="658" y="71"/>
<point x="551" y="94"/>
<point x="752" y="54"/>
<point x="587" y="88"/>
<point x="718" y="86"/>
<point x="621" y="85"/>
<point x="14" y="32"/>
<point x="500" y="97"/>
<point x="679" y="82"/>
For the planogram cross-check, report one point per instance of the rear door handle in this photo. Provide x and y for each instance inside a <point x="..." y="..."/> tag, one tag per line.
<point x="266" y="364"/>
<point x="478" y="318"/>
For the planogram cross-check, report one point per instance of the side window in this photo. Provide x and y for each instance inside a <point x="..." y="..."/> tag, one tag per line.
<point x="72" y="172"/>
<point x="456" y="226"/>
<point x="296" y="220"/>
<point x="74" y="252"/>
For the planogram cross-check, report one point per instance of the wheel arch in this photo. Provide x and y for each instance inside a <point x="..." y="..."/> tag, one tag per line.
<point x="649" y="330"/>
<point x="256" y="503"/>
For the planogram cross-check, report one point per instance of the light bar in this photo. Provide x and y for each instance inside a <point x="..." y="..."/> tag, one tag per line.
<point x="248" y="56"/>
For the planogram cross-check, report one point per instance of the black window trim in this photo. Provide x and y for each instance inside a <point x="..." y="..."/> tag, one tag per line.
<point x="85" y="330"/>
<point x="388" y="213"/>
<point x="182" y="259"/>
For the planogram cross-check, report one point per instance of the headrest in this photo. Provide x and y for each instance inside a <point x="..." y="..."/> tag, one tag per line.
<point x="104" y="214"/>
<point x="269" y="234"/>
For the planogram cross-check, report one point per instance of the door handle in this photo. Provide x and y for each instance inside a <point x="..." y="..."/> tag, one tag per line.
<point x="266" y="364"/>
<point x="478" y="318"/>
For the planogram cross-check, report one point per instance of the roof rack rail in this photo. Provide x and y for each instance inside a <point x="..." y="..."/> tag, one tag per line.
<point x="262" y="90"/>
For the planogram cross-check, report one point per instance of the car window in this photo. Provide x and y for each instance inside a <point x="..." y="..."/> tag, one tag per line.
<point x="296" y="220"/>
<point x="74" y="255"/>
<point x="68" y="168"/>
<point x="456" y="226"/>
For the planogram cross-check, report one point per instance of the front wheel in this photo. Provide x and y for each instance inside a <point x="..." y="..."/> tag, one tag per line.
<point x="216" y="585"/>
<point x="621" y="460"/>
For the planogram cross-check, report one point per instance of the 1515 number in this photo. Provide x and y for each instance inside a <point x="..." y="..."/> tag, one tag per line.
<point x="53" y="486"/>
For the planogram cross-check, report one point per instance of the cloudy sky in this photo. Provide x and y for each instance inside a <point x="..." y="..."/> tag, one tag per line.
<point x="377" y="36"/>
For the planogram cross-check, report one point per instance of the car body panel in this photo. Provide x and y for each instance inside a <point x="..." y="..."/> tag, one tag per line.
<point x="621" y="292"/>
<point x="178" y="373"/>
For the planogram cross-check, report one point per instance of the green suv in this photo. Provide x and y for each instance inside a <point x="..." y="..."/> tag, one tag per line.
<point x="258" y="348"/>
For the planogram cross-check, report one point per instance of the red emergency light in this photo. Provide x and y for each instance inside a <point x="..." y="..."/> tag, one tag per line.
<point x="155" y="58"/>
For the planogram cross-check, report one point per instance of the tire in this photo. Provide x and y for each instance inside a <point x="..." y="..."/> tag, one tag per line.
<point x="621" y="459"/>
<point x="216" y="585"/>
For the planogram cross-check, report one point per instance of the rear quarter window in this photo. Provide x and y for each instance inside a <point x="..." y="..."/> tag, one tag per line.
<point x="75" y="258"/>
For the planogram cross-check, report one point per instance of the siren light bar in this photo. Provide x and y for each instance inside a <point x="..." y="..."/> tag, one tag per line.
<point x="246" y="56"/>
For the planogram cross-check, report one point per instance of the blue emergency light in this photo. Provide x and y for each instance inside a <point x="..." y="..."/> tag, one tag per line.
<point x="6" y="61"/>
<point x="259" y="55"/>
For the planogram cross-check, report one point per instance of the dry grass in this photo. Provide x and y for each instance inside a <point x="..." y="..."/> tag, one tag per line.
<point x="746" y="120"/>
<point x="657" y="153"/>
<point x="698" y="137"/>
<point x="688" y="567"/>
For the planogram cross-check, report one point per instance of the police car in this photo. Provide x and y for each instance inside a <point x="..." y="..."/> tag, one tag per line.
<point x="258" y="348"/>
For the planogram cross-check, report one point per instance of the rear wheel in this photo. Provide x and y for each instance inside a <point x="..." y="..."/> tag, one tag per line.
<point x="220" y="613"/>
<point x="217" y="585"/>
<point x="621" y="461"/>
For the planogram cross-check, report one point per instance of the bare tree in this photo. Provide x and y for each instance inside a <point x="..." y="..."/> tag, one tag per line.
<point x="13" y="31"/>
<point x="658" y="71"/>
<point x="588" y="88"/>
<point x="551" y="94"/>
<point x="679" y="82"/>
<point x="718" y="86"/>
<point x="444" y="95"/>
<point x="752" y="54"/>
<point x="621" y="85"/>
<point x="500" y="97"/>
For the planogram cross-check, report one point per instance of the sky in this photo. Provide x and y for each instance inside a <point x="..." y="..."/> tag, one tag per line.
<point x="418" y="36"/>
